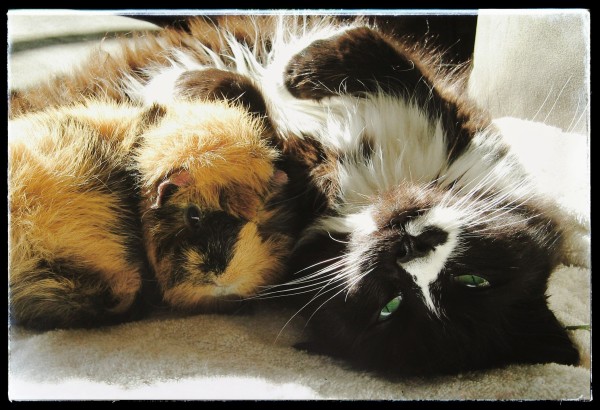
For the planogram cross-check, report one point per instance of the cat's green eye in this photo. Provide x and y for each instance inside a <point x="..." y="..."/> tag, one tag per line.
<point x="472" y="281"/>
<point x="389" y="308"/>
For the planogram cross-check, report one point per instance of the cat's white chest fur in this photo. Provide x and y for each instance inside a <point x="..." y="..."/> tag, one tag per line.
<point x="387" y="141"/>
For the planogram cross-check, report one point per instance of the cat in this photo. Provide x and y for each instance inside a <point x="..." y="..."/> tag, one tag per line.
<point x="434" y="253"/>
<point x="116" y="207"/>
<point x="424" y="248"/>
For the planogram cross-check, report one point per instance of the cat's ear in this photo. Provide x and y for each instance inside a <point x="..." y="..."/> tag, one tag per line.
<point x="543" y="339"/>
<point x="171" y="185"/>
<point x="279" y="178"/>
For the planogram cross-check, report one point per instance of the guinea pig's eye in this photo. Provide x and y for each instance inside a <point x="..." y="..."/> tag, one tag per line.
<point x="472" y="281"/>
<point x="192" y="217"/>
<point x="389" y="308"/>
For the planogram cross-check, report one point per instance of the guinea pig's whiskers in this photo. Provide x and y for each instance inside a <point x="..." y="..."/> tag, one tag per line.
<point x="180" y="231"/>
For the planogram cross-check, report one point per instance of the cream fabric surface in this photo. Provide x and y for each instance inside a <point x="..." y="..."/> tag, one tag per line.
<point x="534" y="65"/>
<point x="213" y="357"/>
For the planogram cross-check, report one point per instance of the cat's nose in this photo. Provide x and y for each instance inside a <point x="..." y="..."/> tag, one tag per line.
<point x="413" y="247"/>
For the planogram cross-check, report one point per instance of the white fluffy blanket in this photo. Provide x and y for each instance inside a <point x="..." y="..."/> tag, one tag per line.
<point x="213" y="357"/>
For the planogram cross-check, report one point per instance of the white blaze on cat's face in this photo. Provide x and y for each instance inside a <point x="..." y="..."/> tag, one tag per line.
<point x="426" y="270"/>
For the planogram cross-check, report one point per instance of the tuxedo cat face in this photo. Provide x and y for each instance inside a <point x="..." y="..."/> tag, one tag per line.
<point x="425" y="282"/>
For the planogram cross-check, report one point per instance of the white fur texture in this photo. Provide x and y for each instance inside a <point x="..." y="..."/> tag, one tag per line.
<point x="426" y="270"/>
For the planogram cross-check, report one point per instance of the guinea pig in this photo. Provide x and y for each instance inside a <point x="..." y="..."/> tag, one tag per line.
<point x="108" y="199"/>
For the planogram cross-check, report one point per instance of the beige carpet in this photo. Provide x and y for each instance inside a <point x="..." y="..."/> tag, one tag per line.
<point x="212" y="357"/>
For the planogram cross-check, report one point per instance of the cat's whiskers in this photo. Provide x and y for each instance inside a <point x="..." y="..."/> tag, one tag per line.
<point x="319" y="283"/>
<point x="578" y="113"/>
<point x="337" y="240"/>
<point x="495" y="208"/>
<point x="343" y="89"/>
<point x="355" y="281"/>
<point x="337" y="278"/>
<point x="481" y="197"/>
<point x="488" y="182"/>
<point x="342" y="270"/>
<point x="502" y="201"/>
<point x="318" y="273"/>
<point x="316" y="264"/>
<point x="346" y="288"/>
<point x="543" y="103"/>
<point x="468" y="196"/>
<point x="483" y="217"/>
<point x="319" y="278"/>
<point x="290" y="292"/>
<point x="584" y="111"/>
<point x="557" y="98"/>
<point x="497" y="227"/>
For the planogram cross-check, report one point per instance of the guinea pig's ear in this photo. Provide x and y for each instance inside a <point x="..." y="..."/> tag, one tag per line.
<point x="169" y="186"/>
<point x="279" y="178"/>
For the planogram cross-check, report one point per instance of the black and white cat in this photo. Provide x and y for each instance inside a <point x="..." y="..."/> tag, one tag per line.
<point x="435" y="254"/>
<point x="426" y="249"/>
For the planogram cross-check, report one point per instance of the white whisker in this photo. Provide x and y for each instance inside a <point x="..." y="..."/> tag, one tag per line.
<point x="337" y="240"/>
<point x="581" y="116"/>
<point x="347" y="286"/>
<point x="301" y="309"/>
<point x="543" y="104"/>
<point x="520" y="221"/>
<point x="557" y="98"/>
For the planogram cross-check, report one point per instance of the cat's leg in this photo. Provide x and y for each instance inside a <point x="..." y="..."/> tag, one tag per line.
<point x="213" y="84"/>
<point x="363" y="62"/>
<point x="355" y="61"/>
<point x="360" y="60"/>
